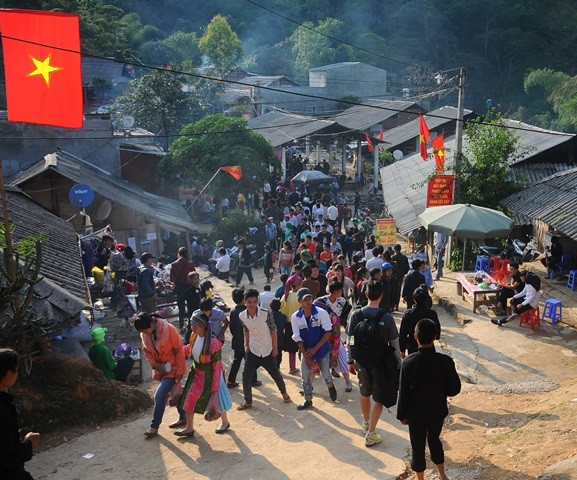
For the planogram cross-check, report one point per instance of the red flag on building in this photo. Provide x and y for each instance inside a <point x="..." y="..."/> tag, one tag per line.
<point x="439" y="152"/>
<point x="235" y="171"/>
<point x="42" y="67"/>
<point x="423" y="137"/>
<point x="382" y="135"/>
<point x="370" y="145"/>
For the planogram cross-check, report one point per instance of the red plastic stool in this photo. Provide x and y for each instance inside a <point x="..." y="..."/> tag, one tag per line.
<point x="531" y="318"/>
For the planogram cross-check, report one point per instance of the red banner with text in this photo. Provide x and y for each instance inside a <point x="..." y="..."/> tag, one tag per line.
<point x="440" y="191"/>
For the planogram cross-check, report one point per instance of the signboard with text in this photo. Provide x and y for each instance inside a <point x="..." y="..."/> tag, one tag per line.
<point x="386" y="231"/>
<point x="440" y="191"/>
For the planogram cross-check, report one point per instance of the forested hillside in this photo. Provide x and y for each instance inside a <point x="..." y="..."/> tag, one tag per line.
<point x="498" y="41"/>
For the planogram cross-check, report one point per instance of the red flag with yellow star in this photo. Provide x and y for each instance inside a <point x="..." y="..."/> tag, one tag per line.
<point x="439" y="152"/>
<point x="42" y="67"/>
<point x="235" y="171"/>
<point x="423" y="137"/>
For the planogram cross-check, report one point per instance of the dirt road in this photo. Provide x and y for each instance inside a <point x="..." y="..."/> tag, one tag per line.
<point x="516" y="416"/>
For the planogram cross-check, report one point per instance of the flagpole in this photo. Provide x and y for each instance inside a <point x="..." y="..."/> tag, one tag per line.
<point x="7" y="232"/>
<point x="202" y="191"/>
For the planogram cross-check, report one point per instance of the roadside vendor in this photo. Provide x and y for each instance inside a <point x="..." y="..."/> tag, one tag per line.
<point x="102" y="359"/>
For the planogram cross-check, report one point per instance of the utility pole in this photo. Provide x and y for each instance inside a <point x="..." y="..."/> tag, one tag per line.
<point x="459" y="132"/>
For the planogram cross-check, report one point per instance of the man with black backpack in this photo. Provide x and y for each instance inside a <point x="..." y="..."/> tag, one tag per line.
<point x="373" y="352"/>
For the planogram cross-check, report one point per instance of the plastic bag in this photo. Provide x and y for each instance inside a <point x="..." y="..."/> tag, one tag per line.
<point x="212" y="411"/>
<point x="174" y="395"/>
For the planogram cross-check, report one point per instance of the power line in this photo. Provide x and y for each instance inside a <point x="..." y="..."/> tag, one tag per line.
<point x="268" y="88"/>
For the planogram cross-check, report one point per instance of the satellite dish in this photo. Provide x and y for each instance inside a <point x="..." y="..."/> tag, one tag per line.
<point x="81" y="195"/>
<point x="397" y="155"/>
<point x="127" y="121"/>
<point x="104" y="210"/>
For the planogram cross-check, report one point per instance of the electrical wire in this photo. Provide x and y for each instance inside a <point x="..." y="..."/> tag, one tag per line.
<point x="268" y="88"/>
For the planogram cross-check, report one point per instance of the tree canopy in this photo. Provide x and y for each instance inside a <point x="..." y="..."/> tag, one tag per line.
<point x="485" y="165"/>
<point x="213" y="142"/>
<point x="221" y="45"/>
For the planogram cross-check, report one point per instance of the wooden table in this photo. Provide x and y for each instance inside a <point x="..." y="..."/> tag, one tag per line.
<point x="478" y="295"/>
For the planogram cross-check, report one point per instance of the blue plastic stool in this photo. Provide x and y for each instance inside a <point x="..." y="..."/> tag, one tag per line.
<point x="572" y="280"/>
<point x="482" y="264"/>
<point x="553" y="309"/>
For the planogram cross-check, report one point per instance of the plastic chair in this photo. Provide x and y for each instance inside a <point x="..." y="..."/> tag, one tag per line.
<point x="572" y="280"/>
<point x="553" y="309"/>
<point x="531" y="318"/>
<point x="495" y="265"/>
<point x="565" y="265"/>
<point x="482" y="264"/>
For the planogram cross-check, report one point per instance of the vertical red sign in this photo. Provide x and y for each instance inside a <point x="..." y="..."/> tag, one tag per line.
<point x="440" y="191"/>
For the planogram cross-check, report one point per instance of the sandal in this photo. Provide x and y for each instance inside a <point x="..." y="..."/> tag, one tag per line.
<point x="286" y="398"/>
<point x="222" y="429"/>
<point x="232" y="384"/>
<point x="244" y="406"/>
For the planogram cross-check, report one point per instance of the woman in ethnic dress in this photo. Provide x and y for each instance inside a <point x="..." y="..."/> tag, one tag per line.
<point x="205" y="378"/>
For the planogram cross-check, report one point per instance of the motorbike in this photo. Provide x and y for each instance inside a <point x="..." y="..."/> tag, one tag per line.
<point x="508" y="253"/>
<point x="528" y="251"/>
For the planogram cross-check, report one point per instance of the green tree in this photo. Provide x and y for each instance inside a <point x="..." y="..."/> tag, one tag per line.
<point x="178" y="48"/>
<point x="159" y="103"/>
<point x="221" y="45"/>
<point x="212" y="142"/>
<point x="554" y="96"/>
<point x="485" y="165"/>
<point x="312" y="49"/>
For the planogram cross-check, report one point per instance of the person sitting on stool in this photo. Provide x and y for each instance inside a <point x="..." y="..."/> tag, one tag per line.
<point x="523" y="301"/>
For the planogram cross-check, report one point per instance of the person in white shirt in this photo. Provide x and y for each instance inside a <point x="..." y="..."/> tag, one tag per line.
<point x="318" y="210"/>
<point x="376" y="261"/>
<point x="526" y="299"/>
<point x="332" y="214"/>
<point x="223" y="264"/>
<point x="260" y="344"/>
<point x="335" y="245"/>
<point x="265" y="298"/>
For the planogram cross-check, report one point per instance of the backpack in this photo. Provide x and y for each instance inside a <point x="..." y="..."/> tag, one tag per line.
<point x="533" y="279"/>
<point x="367" y="340"/>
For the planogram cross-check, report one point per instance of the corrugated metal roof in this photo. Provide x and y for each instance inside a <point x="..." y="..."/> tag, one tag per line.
<point x="552" y="200"/>
<point x="362" y="117"/>
<point x="531" y="173"/>
<point x="332" y="66"/>
<point x="538" y="139"/>
<point x="169" y="211"/>
<point x="281" y="127"/>
<point x="410" y="130"/>
<point x="61" y="259"/>
<point x="406" y="203"/>
<point x="404" y="190"/>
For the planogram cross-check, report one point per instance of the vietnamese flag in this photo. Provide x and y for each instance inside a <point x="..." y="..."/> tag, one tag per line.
<point x="423" y="137"/>
<point x="42" y="67"/>
<point x="370" y="145"/>
<point x="439" y="152"/>
<point x="382" y="135"/>
<point x="235" y="171"/>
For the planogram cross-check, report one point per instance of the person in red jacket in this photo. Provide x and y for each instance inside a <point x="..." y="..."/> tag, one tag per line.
<point x="162" y="346"/>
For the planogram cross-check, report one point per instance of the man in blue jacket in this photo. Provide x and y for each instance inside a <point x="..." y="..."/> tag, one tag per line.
<point x="146" y="286"/>
<point x="311" y="331"/>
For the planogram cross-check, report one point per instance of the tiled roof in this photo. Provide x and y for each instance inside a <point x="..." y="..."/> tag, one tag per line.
<point x="169" y="211"/>
<point x="553" y="200"/>
<point x="373" y="112"/>
<point x="61" y="256"/>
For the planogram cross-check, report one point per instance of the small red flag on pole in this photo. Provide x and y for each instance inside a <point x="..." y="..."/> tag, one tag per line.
<point x="42" y="67"/>
<point x="439" y="152"/>
<point x="235" y="171"/>
<point x="369" y="143"/>
<point x="423" y="137"/>
<point x="382" y="135"/>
